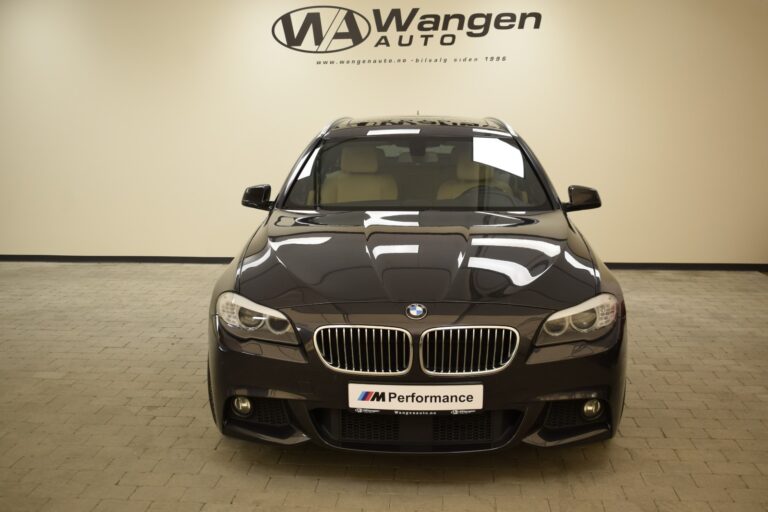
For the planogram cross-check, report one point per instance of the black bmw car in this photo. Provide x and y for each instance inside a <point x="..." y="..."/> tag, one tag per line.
<point x="418" y="286"/>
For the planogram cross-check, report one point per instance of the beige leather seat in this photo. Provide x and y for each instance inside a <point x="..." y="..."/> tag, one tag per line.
<point x="357" y="180"/>
<point x="469" y="175"/>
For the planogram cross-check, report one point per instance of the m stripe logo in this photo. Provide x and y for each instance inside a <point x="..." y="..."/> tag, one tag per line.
<point x="371" y="396"/>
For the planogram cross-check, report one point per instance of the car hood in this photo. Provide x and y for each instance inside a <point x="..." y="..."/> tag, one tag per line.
<point x="300" y="258"/>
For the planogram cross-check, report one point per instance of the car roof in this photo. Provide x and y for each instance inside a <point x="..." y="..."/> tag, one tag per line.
<point x="348" y="127"/>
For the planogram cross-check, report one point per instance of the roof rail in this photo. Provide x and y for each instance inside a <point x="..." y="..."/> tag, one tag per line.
<point x="328" y="126"/>
<point x="504" y="124"/>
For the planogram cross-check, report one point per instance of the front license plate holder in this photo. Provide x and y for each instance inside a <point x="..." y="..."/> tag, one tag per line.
<point x="415" y="397"/>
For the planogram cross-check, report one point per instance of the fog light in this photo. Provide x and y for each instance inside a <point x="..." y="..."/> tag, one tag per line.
<point x="242" y="406"/>
<point x="592" y="409"/>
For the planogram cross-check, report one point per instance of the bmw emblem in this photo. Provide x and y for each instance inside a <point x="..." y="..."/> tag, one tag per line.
<point x="416" y="311"/>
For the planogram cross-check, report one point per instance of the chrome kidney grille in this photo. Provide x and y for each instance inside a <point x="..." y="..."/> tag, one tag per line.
<point x="467" y="350"/>
<point x="364" y="349"/>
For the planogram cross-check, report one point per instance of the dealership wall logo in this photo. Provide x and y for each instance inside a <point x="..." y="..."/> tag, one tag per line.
<point x="321" y="29"/>
<point x="329" y="29"/>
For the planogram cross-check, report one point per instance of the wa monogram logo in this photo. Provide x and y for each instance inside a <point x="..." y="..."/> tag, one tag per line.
<point x="321" y="29"/>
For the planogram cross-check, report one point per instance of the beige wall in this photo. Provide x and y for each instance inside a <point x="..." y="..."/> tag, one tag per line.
<point x="131" y="127"/>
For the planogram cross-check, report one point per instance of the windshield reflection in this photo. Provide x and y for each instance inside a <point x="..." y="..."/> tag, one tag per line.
<point x="385" y="218"/>
<point x="547" y="248"/>
<point x="394" y="249"/>
<point x="516" y="273"/>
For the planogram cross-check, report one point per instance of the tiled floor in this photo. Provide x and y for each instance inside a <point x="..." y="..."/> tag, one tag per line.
<point x="103" y="407"/>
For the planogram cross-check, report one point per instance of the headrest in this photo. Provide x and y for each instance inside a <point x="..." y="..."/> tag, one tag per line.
<point x="359" y="159"/>
<point x="469" y="170"/>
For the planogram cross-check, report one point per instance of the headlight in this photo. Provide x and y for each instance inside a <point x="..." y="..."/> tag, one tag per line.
<point x="246" y="319"/>
<point x="587" y="321"/>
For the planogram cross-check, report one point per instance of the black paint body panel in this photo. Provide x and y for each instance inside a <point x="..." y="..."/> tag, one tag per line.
<point x="471" y="268"/>
<point x="316" y="258"/>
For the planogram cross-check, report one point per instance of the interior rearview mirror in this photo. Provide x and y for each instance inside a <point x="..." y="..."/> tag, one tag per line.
<point x="258" y="197"/>
<point x="582" y="198"/>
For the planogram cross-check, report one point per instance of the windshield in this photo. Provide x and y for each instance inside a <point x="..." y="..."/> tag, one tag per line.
<point x="415" y="173"/>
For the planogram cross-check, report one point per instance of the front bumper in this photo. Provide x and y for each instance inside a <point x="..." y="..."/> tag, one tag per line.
<point x="297" y="398"/>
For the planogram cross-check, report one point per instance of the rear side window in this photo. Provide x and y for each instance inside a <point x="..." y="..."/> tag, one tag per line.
<point x="417" y="173"/>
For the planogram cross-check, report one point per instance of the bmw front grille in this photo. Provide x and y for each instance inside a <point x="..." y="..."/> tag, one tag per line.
<point x="365" y="349"/>
<point x="456" y="350"/>
<point x="469" y="350"/>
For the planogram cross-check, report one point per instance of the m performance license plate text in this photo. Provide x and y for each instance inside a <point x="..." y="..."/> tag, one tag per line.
<point x="416" y="398"/>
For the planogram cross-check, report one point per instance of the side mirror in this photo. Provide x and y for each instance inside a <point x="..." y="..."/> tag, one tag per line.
<point x="582" y="198"/>
<point x="258" y="197"/>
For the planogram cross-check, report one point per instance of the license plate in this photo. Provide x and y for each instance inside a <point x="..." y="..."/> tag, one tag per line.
<point x="385" y="397"/>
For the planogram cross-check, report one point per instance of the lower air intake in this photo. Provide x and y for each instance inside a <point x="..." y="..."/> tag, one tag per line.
<point x="418" y="433"/>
